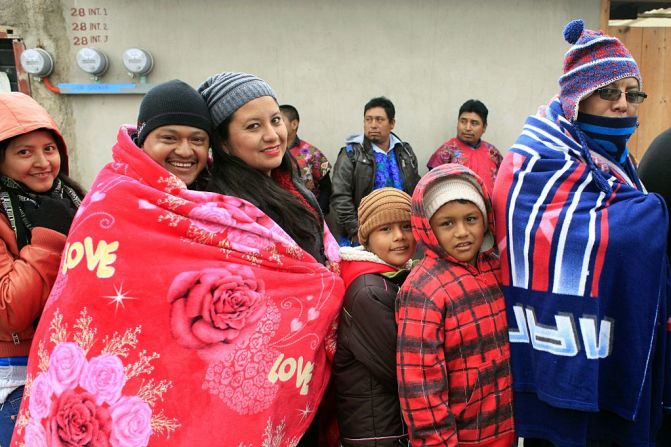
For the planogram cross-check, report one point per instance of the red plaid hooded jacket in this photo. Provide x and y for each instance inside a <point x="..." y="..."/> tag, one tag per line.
<point x="453" y="357"/>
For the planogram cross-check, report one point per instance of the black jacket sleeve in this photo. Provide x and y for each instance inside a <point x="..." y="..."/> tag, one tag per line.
<point x="342" y="199"/>
<point x="373" y="334"/>
<point x="325" y="190"/>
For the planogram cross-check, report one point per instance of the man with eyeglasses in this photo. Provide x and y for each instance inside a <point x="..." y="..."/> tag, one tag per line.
<point x="374" y="160"/>
<point x="583" y="260"/>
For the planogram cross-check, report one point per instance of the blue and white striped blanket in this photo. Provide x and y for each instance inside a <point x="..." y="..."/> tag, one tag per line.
<point x="584" y="270"/>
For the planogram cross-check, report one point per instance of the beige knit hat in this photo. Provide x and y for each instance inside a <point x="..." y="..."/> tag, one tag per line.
<point x="382" y="206"/>
<point x="455" y="187"/>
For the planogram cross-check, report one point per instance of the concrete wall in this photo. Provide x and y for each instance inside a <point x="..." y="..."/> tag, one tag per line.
<point x="325" y="57"/>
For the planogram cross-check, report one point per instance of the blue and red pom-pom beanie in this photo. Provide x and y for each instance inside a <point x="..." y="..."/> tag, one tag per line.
<point x="594" y="61"/>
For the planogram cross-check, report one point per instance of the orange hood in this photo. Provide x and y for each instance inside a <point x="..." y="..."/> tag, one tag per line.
<point x="19" y="114"/>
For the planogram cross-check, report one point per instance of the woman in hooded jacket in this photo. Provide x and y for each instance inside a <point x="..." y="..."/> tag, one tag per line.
<point x="38" y="202"/>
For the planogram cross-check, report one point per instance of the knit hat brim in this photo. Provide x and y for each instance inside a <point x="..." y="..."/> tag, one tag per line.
<point x="456" y="187"/>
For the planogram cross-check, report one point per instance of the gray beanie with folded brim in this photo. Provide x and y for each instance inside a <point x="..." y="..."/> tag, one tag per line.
<point x="453" y="188"/>
<point x="226" y="92"/>
<point x="458" y="187"/>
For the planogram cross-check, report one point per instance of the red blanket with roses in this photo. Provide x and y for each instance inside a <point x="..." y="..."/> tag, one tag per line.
<point x="178" y="318"/>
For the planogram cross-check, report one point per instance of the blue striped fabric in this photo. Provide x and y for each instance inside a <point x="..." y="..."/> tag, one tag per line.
<point x="13" y="361"/>
<point x="611" y="134"/>
<point x="584" y="269"/>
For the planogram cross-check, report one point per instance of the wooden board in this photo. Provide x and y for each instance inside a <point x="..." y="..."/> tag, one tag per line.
<point x="651" y="49"/>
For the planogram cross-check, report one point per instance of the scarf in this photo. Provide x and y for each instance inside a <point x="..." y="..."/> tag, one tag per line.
<point x="387" y="172"/>
<point x="14" y="195"/>
<point x="583" y="257"/>
<point x="314" y="244"/>
<point x="175" y="310"/>
<point x="609" y="134"/>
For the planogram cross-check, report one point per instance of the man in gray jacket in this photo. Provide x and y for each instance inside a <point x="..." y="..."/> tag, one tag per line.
<point x="374" y="160"/>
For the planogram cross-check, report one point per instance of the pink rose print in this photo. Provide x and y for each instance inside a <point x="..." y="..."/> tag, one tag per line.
<point x="212" y="308"/>
<point x="35" y="435"/>
<point x="65" y="366"/>
<point x="132" y="422"/>
<point x="40" y="396"/>
<point x="210" y="218"/>
<point x="103" y="377"/>
<point x="245" y="241"/>
<point x="76" y="420"/>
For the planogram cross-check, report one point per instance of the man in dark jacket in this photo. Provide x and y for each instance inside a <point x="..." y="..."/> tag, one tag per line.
<point x="654" y="172"/>
<point x="374" y="160"/>
<point x="655" y="167"/>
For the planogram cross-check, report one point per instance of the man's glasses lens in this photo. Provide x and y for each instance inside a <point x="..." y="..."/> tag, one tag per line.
<point x="613" y="94"/>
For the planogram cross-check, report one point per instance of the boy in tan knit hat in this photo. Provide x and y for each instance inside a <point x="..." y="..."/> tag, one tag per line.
<point x="365" y="361"/>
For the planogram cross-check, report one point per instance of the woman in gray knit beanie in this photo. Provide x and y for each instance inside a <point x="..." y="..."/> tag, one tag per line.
<point x="250" y="157"/>
<point x="251" y="161"/>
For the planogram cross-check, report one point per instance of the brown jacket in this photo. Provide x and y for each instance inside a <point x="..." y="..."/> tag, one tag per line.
<point x="26" y="278"/>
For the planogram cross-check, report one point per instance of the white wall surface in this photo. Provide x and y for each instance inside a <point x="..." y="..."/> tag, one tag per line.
<point x="327" y="58"/>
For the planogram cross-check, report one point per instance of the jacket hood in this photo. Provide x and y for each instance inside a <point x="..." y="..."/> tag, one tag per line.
<point x="421" y="229"/>
<point x="359" y="137"/>
<point x="354" y="138"/>
<point x="20" y="114"/>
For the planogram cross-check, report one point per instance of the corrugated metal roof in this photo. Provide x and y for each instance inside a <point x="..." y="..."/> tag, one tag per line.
<point x="654" y="18"/>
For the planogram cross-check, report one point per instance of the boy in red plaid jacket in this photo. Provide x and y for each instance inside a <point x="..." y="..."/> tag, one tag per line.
<point x="453" y="357"/>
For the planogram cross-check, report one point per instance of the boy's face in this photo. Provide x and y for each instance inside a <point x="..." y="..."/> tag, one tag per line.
<point x="393" y="243"/>
<point x="460" y="229"/>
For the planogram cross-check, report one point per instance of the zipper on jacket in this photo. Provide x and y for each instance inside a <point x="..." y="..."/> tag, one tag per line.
<point x="15" y="338"/>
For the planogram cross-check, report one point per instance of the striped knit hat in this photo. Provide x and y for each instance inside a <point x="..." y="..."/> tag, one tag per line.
<point x="594" y="61"/>
<point x="227" y="92"/>
<point x="380" y="207"/>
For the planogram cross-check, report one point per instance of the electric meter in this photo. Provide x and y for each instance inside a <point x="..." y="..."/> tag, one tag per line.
<point x="138" y="61"/>
<point x="92" y="61"/>
<point x="37" y="62"/>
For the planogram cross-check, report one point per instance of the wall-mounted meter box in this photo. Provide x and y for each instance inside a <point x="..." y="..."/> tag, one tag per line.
<point x="138" y="61"/>
<point x="92" y="61"/>
<point x="37" y="62"/>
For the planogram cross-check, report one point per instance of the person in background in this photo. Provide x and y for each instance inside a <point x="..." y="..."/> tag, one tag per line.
<point x="453" y="363"/>
<point x="364" y="369"/>
<point x="314" y="168"/>
<point x="654" y="172"/>
<point x="374" y="160"/>
<point x="583" y="259"/>
<point x="468" y="148"/>
<point x="655" y="169"/>
<point x="38" y="202"/>
<point x="300" y="276"/>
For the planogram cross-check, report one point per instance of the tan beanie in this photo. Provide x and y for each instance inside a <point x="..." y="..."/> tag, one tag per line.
<point x="455" y="187"/>
<point x="380" y="207"/>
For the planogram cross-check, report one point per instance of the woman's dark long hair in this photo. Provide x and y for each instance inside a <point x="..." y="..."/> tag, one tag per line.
<point x="232" y="176"/>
